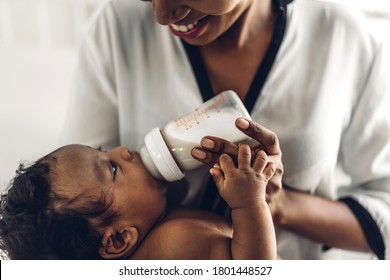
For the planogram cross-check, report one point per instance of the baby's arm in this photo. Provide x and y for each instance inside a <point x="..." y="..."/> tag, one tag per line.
<point x="243" y="188"/>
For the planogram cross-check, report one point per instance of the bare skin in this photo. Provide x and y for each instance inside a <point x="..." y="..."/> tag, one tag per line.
<point x="320" y="219"/>
<point x="234" y="41"/>
<point x="209" y="236"/>
<point x="146" y="229"/>
<point x="232" y="60"/>
<point x="252" y="235"/>
<point x="233" y="44"/>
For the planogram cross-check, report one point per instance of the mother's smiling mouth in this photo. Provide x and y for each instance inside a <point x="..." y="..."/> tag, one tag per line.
<point x="189" y="30"/>
<point x="185" y="27"/>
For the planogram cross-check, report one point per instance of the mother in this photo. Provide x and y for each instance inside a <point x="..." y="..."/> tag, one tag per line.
<point x="308" y="70"/>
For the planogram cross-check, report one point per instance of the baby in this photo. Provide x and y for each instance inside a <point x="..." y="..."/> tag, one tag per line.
<point x="81" y="203"/>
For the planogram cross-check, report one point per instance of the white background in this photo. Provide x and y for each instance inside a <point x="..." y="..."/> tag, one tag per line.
<point x="201" y="270"/>
<point x="38" y="43"/>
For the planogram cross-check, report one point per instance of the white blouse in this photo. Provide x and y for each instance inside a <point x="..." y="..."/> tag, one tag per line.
<point x="326" y="96"/>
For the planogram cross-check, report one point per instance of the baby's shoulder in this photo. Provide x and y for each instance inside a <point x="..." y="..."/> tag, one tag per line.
<point x="186" y="235"/>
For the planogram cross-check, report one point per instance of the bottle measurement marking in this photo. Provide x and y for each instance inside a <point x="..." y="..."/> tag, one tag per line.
<point x="194" y="118"/>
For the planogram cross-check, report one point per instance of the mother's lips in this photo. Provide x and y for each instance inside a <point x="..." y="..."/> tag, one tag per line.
<point x="190" y="30"/>
<point x="184" y="27"/>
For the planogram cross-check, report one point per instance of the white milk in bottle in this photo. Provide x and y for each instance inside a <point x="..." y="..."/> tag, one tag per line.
<point x="167" y="152"/>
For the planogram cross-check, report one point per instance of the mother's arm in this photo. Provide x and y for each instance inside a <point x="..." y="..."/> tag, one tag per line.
<point x="319" y="219"/>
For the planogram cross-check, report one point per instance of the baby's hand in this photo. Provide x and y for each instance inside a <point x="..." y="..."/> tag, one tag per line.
<point x="244" y="185"/>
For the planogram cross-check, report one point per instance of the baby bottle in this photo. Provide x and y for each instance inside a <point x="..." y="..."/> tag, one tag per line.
<point x="167" y="152"/>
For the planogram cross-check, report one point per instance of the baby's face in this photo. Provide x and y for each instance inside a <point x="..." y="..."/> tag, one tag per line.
<point x="137" y="196"/>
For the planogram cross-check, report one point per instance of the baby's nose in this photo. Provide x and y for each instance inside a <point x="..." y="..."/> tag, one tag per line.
<point x="122" y="152"/>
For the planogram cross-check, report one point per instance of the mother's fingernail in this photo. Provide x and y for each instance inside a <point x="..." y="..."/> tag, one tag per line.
<point x="198" y="153"/>
<point x="207" y="143"/>
<point x="242" y="123"/>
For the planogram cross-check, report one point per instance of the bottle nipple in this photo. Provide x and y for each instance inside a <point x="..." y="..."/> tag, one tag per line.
<point x="158" y="159"/>
<point x="149" y="164"/>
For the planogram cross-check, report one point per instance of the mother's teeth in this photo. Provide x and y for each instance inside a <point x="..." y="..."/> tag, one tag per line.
<point x="184" y="28"/>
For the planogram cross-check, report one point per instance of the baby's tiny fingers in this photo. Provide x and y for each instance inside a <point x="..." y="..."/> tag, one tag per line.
<point x="269" y="170"/>
<point x="244" y="156"/>
<point x="260" y="161"/>
<point x="226" y="163"/>
<point x="217" y="166"/>
<point x="217" y="176"/>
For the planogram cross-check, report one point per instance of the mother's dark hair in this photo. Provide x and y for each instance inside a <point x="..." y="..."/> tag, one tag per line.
<point x="32" y="228"/>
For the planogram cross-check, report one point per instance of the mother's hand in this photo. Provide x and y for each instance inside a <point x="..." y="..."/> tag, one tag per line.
<point x="212" y="147"/>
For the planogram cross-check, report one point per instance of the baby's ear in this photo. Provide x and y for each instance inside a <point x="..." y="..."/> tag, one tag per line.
<point x="117" y="244"/>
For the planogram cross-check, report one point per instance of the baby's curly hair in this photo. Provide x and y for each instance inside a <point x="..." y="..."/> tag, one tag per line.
<point x="32" y="226"/>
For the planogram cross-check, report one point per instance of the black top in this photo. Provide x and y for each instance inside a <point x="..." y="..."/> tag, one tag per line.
<point x="264" y="68"/>
<point x="211" y="199"/>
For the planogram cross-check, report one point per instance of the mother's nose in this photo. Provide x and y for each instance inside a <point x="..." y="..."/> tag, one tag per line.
<point x="169" y="11"/>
